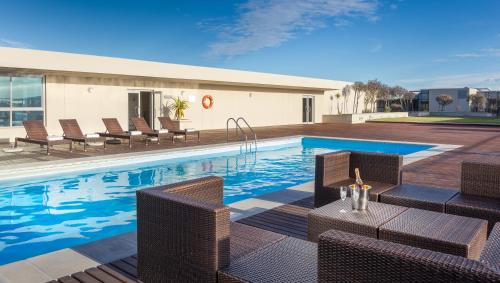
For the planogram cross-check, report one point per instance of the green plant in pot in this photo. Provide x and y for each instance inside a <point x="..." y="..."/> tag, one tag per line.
<point x="178" y="106"/>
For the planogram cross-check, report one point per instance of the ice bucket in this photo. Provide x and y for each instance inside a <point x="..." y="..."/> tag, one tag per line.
<point x="359" y="197"/>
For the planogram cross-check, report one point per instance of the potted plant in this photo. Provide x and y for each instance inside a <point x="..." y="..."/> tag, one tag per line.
<point x="178" y="106"/>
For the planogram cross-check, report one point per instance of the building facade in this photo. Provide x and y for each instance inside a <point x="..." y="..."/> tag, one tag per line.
<point x="48" y="86"/>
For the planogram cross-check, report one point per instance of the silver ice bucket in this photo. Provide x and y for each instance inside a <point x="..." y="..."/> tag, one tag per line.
<point x="359" y="197"/>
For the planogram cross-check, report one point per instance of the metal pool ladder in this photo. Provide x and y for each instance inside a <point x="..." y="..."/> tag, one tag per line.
<point x="242" y="133"/>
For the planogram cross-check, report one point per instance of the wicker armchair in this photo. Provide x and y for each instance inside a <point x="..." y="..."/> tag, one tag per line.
<point x="184" y="233"/>
<point x="345" y="257"/>
<point x="333" y="170"/>
<point x="479" y="195"/>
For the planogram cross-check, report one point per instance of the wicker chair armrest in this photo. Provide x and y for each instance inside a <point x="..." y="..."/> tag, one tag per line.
<point x="332" y="167"/>
<point x="353" y="258"/>
<point x="380" y="167"/>
<point x="480" y="179"/>
<point x="180" y="237"/>
<point x="491" y="251"/>
<point x="209" y="189"/>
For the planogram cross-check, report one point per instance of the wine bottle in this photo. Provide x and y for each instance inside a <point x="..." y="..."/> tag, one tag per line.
<point x="359" y="181"/>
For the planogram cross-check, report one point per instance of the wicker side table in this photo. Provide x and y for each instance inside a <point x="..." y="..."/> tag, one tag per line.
<point x="451" y="234"/>
<point x="418" y="196"/>
<point x="340" y="216"/>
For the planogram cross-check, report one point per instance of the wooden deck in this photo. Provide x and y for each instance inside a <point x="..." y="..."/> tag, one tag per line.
<point x="479" y="143"/>
<point x="289" y="219"/>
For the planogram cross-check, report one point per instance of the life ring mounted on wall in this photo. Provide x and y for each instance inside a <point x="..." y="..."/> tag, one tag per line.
<point x="207" y="101"/>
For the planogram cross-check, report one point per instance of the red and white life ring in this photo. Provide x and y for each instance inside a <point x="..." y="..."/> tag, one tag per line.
<point x="207" y="101"/>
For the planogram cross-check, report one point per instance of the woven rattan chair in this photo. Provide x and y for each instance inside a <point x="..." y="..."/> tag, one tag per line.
<point x="114" y="130"/>
<point x="73" y="132"/>
<point x="333" y="170"/>
<point x="37" y="134"/>
<point x="345" y="257"/>
<point x="479" y="195"/>
<point x="184" y="233"/>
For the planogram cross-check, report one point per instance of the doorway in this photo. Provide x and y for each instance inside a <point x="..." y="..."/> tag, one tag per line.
<point x="308" y="109"/>
<point x="140" y="104"/>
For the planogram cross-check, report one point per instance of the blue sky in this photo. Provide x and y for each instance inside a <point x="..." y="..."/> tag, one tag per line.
<point x="413" y="43"/>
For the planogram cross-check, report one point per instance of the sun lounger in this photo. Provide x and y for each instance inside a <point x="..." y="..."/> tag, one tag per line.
<point x="73" y="132"/>
<point x="37" y="134"/>
<point x="114" y="130"/>
<point x="166" y="123"/>
<point x="141" y="125"/>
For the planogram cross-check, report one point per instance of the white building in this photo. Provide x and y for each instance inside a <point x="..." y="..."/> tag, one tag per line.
<point x="42" y="85"/>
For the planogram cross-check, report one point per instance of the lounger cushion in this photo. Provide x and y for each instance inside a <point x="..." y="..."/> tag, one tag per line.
<point x="92" y="136"/>
<point x="54" y="138"/>
<point x="163" y="131"/>
<point x="135" y="133"/>
<point x="191" y="130"/>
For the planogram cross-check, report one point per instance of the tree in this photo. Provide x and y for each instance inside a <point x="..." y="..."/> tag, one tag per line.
<point x="397" y="93"/>
<point x="372" y="88"/>
<point x="346" y="92"/>
<point x="338" y="96"/>
<point x="477" y="102"/>
<point x="384" y="94"/>
<point x="358" y="88"/>
<point x="443" y="101"/>
<point x="408" y="100"/>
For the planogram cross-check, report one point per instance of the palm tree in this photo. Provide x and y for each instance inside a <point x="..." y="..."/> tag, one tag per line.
<point x="346" y="92"/>
<point x="179" y="106"/>
<point x="338" y="96"/>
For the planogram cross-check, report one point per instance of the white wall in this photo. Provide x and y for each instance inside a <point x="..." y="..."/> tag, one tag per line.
<point x="69" y="97"/>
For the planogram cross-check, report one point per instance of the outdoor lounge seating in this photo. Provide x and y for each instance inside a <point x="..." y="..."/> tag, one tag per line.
<point x="141" y="125"/>
<point x="184" y="233"/>
<point x="114" y="130"/>
<point x="167" y="123"/>
<point x="333" y="170"/>
<point x="73" y="132"/>
<point x="479" y="195"/>
<point x="348" y="257"/>
<point x="37" y="134"/>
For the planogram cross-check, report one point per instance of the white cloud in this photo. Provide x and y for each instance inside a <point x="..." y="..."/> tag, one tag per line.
<point x="492" y="51"/>
<point x="468" y="55"/>
<point x="376" y="48"/>
<point x="261" y="24"/>
<point x="393" y="6"/>
<point x="12" y="43"/>
<point x="491" y="80"/>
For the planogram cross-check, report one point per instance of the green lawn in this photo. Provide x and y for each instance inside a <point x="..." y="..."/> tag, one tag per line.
<point x="440" y="119"/>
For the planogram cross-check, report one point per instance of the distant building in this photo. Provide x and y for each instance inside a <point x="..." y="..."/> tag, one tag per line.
<point x="466" y="101"/>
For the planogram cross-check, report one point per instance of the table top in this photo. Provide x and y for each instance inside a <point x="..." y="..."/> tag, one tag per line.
<point x="437" y="226"/>
<point x="375" y="215"/>
<point x="419" y="192"/>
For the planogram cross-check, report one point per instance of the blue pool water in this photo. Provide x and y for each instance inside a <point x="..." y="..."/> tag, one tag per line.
<point x="43" y="215"/>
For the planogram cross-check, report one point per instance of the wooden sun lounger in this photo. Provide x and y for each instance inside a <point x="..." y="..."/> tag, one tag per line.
<point x="141" y="125"/>
<point x="73" y="132"/>
<point x="114" y="130"/>
<point x="37" y="134"/>
<point x="166" y="123"/>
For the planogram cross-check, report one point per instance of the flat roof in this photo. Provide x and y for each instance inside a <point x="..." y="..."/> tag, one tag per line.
<point x="25" y="61"/>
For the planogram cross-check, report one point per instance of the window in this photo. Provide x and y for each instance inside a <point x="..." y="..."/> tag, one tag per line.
<point x="21" y="98"/>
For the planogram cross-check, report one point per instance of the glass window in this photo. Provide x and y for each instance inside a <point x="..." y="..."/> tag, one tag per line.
<point x="26" y="92"/>
<point x="4" y="91"/>
<point x="19" y="116"/>
<point x="4" y="118"/>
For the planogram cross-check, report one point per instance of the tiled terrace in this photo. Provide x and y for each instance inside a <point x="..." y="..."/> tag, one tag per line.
<point x="479" y="143"/>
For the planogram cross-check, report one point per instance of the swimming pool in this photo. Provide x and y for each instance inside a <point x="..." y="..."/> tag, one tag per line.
<point x="40" y="215"/>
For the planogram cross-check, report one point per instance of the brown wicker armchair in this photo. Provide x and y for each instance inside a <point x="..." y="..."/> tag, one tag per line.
<point x="345" y="257"/>
<point x="381" y="171"/>
<point x="184" y="233"/>
<point x="479" y="195"/>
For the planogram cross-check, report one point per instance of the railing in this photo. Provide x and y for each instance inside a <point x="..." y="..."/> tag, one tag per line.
<point x="242" y="134"/>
